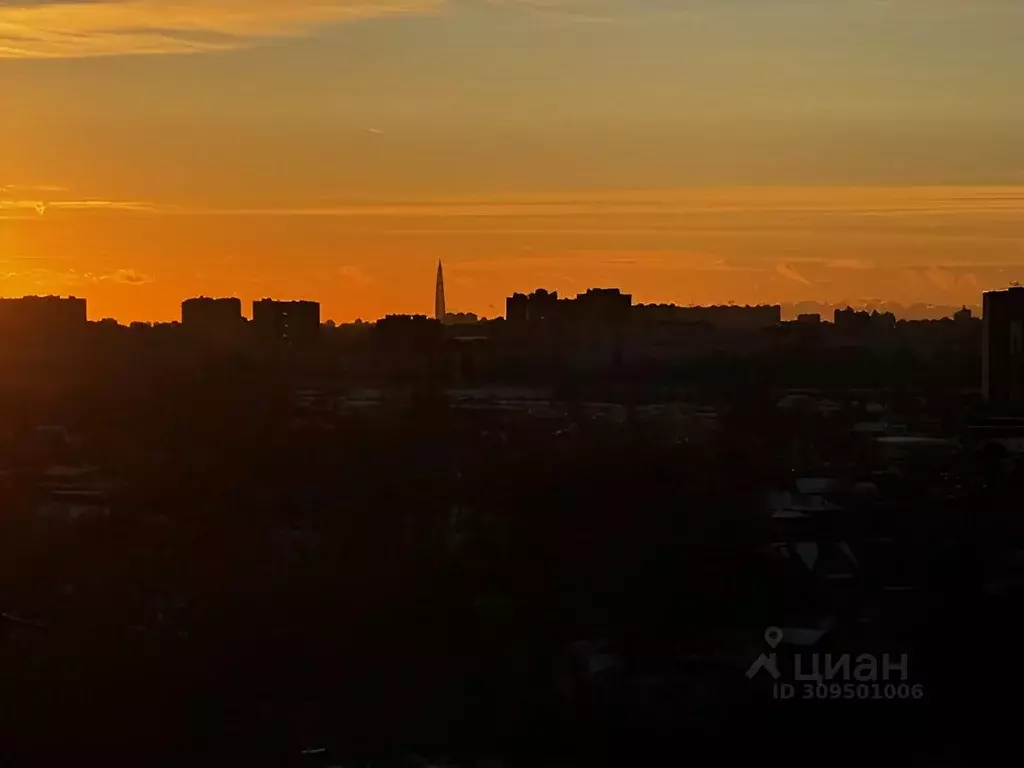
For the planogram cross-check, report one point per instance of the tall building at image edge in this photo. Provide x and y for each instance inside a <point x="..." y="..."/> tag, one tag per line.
<point x="1003" y="346"/>
<point x="440" y="310"/>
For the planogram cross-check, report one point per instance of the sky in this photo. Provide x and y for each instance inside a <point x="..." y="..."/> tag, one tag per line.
<point x="688" y="151"/>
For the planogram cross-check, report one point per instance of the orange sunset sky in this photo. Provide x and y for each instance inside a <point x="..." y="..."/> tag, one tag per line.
<point x="693" y="151"/>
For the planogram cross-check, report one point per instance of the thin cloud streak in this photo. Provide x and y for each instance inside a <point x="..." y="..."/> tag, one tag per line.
<point x="853" y="201"/>
<point x="790" y="205"/>
<point x="69" y="29"/>
<point x="72" y="277"/>
<point x="657" y="11"/>
<point x="680" y="261"/>
<point x="10" y="189"/>
<point x="42" y="207"/>
<point x="126" y="276"/>
<point x="787" y="271"/>
<point x="31" y="29"/>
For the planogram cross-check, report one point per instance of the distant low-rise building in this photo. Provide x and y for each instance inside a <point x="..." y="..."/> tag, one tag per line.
<point x="537" y="307"/>
<point x="602" y="307"/>
<point x="292" y="322"/>
<point x="461" y="318"/>
<point x="407" y="345"/>
<point x="212" y="318"/>
<point x="850" y="319"/>
<point x="595" y="309"/>
<point x="42" y="315"/>
<point x="729" y="316"/>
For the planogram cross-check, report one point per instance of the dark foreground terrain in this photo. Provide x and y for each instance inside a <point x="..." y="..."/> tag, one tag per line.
<point x="242" y="565"/>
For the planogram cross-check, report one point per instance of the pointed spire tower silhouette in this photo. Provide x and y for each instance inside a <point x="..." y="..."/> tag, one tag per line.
<point x="439" y="308"/>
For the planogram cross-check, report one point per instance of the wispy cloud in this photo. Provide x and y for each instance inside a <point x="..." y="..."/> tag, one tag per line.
<point x="623" y="11"/>
<point x="946" y="280"/>
<point x="42" y="206"/>
<point x="354" y="275"/>
<point x="924" y="213"/>
<point x="79" y="28"/>
<point x="855" y="202"/>
<point x="789" y="272"/>
<point x="671" y="261"/>
<point x="856" y="265"/>
<point x="681" y="261"/>
<point x="126" y="276"/>
<point x="72" y="277"/>
<point x="20" y="189"/>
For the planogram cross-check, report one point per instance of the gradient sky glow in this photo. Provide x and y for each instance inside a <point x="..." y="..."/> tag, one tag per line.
<point x="696" y="151"/>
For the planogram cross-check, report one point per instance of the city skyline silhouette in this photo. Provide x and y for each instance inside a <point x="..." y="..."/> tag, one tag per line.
<point x="789" y="311"/>
<point x="511" y="383"/>
<point x="747" y="152"/>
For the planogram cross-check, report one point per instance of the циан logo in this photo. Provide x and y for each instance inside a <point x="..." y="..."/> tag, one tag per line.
<point x="830" y="676"/>
<point x="768" y="663"/>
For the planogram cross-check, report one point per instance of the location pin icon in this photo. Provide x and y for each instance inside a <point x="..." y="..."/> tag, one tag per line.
<point x="773" y="635"/>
